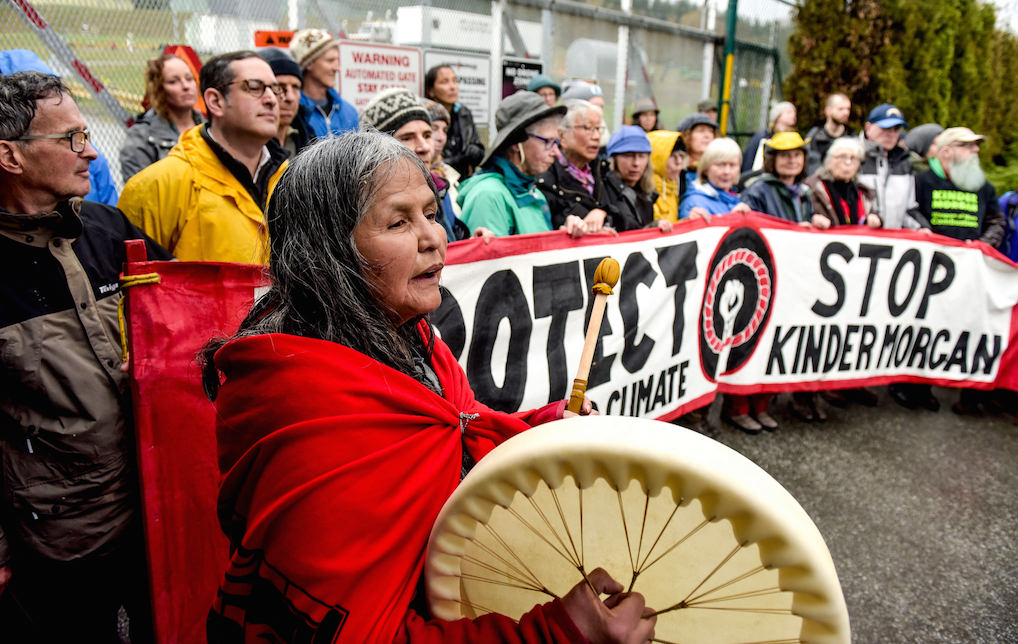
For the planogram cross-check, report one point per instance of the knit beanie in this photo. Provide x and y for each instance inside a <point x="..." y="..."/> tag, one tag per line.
<point x="392" y="109"/>
<point x="436" y="110"/>
<point x="282" y="63"/>
<point x="309" y="44"/>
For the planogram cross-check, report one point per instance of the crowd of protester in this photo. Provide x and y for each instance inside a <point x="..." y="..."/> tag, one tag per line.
<point x="200" y="186"/>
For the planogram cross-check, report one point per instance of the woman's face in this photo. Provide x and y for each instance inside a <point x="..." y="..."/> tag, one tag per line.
<point x="699" y="138"/>
<point x="416" y="135"/>
<point x="439" y="135"/>
<point x="582" y="140"/>
<point x="446" y="89"/>
<point x="786" y="121"/>
<point x="403" y="243"/>
<point x="843" y="164"/>
<point x="646" y="120"/>
<point x="723" y="174"/>
<point x="788" y="164"/>
<point x="548" y="94"/>
<point x="674" y="165"/>
<point x="540" y="153"/>
<point x="179" y="84"/>
<point x="630" y="166"/>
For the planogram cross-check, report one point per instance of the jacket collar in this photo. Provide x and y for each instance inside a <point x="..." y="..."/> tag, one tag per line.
<point x="257" y="186"/>
<point x="38" y="228"/>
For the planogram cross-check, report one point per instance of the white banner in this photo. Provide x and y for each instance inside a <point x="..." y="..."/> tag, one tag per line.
<point x="778" y="307"/>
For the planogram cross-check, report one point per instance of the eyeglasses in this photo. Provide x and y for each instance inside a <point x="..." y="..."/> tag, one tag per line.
<point x="78" y="139"/>
<point x="256" y="88"/>
<point x="590" y="129"/>
<point x="548" y="143"/>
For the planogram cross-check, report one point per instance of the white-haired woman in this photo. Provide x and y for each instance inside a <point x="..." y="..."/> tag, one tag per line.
<point x="718" y="172"/>
<point x="838" y="199"/>
<point x="344" y="423"/>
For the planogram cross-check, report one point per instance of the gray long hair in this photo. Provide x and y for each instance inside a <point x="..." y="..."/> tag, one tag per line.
<point x="319" y="285"/>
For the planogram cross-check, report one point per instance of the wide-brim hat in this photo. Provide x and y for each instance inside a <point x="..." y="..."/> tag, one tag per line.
<point x="785" y="141"/>
<point x="514" y="114"/>
<point x="645" y="105"/>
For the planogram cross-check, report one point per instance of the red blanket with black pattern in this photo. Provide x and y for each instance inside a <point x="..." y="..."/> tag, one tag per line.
<point x="336" y="467"/>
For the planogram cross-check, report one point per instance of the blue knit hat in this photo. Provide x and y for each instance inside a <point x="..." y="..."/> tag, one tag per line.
<point x="629" y="138"/>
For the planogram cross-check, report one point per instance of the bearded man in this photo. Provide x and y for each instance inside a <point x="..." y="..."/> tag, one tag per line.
<point x="953" y="197"/>
<point x="956" y="200"/>
<point x="837" y="111"/>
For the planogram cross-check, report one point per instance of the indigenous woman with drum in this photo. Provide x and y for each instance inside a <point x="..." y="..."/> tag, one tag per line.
<point x="344" y="423"/>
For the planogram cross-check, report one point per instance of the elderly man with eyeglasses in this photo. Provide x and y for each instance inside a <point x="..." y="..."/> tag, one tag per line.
<point x="71" y="545"/>
<point x="206" y="200"/>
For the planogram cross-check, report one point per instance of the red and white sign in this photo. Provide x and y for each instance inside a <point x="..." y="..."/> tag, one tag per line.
<point x="747" y="304"/>
<point x="368" y="68"/>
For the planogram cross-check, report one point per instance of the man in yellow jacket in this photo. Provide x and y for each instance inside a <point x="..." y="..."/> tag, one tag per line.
<point x="206" y="200"/>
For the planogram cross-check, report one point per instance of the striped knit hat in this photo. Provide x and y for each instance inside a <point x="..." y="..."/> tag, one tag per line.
<point x="392" y="109"/>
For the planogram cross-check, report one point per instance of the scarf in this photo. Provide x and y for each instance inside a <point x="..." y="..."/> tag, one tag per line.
<point x="521" y="186"/>
<point x="845" y="201"/>
<point x="584" y="176"/>
<point x="336" y="467"/>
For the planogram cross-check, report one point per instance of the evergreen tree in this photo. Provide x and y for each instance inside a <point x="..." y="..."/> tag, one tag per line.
<point x="835" y="48"/>
<point x="940" y="61"/>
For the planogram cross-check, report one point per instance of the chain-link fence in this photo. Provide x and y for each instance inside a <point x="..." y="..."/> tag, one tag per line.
<point x="106" y="43"/>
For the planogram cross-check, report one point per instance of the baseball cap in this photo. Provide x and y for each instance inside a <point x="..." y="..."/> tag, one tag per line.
<point x="886" y="115"/>
<point x="958" y="135"/>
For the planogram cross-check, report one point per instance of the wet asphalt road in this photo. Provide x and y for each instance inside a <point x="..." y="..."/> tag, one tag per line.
<point x="919" y="510"/>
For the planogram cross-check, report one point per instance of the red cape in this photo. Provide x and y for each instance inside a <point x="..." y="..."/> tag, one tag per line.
<point x="336" y="467"/>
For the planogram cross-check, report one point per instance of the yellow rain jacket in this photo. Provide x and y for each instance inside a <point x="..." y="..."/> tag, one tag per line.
<point x="662" y="142"/>
<point x="196" y="208"/>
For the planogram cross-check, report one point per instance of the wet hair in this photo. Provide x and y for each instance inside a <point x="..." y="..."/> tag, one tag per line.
<point x="319" y="280"/>
<point x="718" y="150"/>
<point x="154" y="83"/>
<point x="19" y="95"/>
